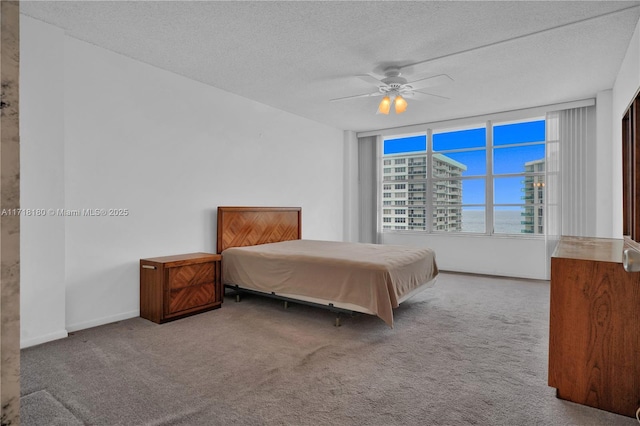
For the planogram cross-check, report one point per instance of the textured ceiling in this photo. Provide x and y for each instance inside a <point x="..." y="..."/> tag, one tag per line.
<point x="296" y="56"/>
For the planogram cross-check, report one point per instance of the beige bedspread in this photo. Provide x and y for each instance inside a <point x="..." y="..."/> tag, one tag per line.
<point x="371" y="276"/>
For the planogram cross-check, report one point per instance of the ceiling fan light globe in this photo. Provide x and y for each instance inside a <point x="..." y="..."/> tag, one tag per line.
<point x="400" y="104"/>
<point x="385" y="106"/>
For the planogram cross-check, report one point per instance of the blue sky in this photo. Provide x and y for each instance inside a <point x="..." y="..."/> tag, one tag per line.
<point x="506" y="159"/>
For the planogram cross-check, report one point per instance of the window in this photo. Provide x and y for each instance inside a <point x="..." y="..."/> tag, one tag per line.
<point x="519" y="179"/>
<point x="487" y="179"/>
<point x="459" y="168"/>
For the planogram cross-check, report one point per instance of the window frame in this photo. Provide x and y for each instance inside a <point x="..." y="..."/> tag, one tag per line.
<point x="524" y="175"/>
<point x="489" y="206"/>
<point x="461" y="178"/>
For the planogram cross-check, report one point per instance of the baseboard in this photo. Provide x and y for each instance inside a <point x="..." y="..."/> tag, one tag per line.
<point x="26" y="343"/>
<point x="535" y="277"/>
<point x="102" y="321"/>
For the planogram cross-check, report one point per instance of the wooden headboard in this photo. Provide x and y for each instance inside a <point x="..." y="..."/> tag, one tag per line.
<point x="250" y="226"/>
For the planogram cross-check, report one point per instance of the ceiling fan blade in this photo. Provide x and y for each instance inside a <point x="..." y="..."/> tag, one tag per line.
<point x="425" y="95"/>
<point x="368" y="78"/>
<point x="365" y="95"/>
<point x="437" y="80"/>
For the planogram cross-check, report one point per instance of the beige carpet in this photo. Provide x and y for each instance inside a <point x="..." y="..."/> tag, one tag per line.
<point x="471" y="350"/>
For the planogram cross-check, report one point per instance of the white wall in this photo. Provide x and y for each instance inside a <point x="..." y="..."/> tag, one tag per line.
<point x="603" y="179"/>
<point x="42" y="238"/>
<point x="170" y="150"/>
<point x="351" y="190"/>
<point x="491" y="255"/>
<point x="624" y="91"/>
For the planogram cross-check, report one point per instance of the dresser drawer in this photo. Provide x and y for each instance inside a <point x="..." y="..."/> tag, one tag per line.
<point x="191" y="275"/>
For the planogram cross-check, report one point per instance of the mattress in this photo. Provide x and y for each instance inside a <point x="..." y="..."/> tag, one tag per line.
<point x="373" y="277"/>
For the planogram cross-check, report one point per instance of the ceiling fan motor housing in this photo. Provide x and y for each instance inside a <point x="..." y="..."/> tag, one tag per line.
<point x="393" y="81"/>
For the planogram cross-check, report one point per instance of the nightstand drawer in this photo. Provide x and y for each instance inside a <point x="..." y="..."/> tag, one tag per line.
<point x="190" y="275"/>
<point x="191" y="297"/>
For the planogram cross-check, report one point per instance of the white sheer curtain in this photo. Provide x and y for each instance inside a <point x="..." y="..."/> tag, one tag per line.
<point x="570" y="178"/>
<point x="577" y="195"/>
<point x="368" y="188"/>
<point x="571" y="161"/>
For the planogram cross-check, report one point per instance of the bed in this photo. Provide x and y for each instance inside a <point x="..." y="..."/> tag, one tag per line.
<point x="263" y="252"/>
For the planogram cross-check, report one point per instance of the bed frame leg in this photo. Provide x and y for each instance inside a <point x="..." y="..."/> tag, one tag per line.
<point x="337" y="321"/>
<point x="286" y="304"/>
<point x="237" y="297"/>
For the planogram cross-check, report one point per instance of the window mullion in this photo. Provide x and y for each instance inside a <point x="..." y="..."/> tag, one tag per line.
<point x="489" y="180"/>
<point x="429" y="194"/>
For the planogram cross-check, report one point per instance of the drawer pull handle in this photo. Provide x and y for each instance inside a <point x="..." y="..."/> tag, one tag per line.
<point x="631" y="260"/>
<point x="148" y="267"/>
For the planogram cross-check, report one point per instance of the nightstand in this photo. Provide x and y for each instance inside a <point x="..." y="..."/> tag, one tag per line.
<point x="172" y="287"/>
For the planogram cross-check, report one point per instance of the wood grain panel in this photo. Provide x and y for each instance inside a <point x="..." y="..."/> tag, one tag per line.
<point x="151" y="290"/>
<point x="594" y="339"/>
<point x="248" y="226"/>
<point x="184" y="259"/>
<point x="635" y="142"/>
<point x="184" y="276"/>
<point x="631" y="171"/>
<point x="627" y="175"/>
<point x="192" y="297"/>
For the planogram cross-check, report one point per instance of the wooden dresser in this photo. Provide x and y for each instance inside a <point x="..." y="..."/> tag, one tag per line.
<point x="172" y="287"/>
<point x="594" y="334"/>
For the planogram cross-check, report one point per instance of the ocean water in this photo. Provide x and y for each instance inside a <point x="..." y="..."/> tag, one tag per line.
<point x="506" y="221"/>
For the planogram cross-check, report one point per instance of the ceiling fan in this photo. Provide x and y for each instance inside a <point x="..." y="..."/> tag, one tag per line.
<point x="394" y="88"/>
